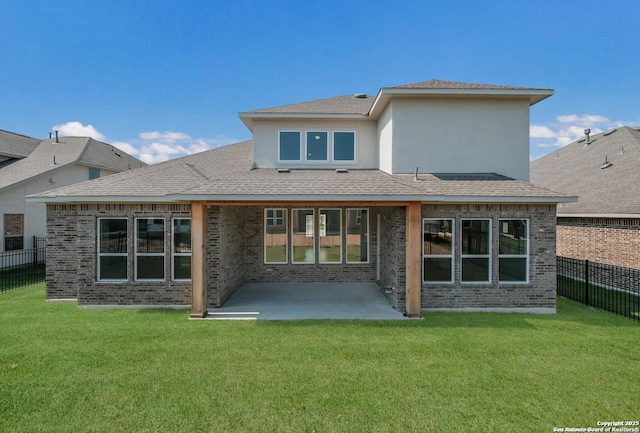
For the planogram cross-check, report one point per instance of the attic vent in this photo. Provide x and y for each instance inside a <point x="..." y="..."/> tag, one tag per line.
<point x="606" y="164"/>
<point x="360" y="95"/>
<point x="283" y="170"/>
<point x="342" y="170"/>
<point x="586" y="133"/>
<point x="610" y="132"/>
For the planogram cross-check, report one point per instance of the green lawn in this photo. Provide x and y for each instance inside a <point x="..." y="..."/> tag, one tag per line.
<point x="64" y="369"/>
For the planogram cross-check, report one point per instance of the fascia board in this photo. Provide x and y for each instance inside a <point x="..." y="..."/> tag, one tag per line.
<point x="248" y="117"/>
<point x="599" y="215"/>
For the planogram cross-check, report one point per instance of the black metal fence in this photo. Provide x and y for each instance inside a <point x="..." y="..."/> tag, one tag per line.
<point x="23" y="267"/>
<point x="612" y="288"/>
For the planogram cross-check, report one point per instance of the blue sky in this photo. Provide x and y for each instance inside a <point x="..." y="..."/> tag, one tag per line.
<point x="161" y="79"/>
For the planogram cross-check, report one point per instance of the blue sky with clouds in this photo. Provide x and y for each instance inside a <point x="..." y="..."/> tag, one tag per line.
<point x="162" y="79"/>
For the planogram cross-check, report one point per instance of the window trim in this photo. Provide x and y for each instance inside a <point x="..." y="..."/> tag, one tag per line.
<point x="333" y="151"/>
<point x="516" y="256"/>
<point x="136" y="254"/>
<point x="293" y="233"/>
<point x="306" y="146"/>
<point x="300" y="146"/>
<point x="346" y="244"/>
<point x="450" y="256"/>
<point x="100" y="254"/>
<point x="303" y="143"/>
<point x="488" y="255"/>
<point x="319" y="236"/>
<point x="12" y="237"/>
<point x="175" y="254"/>
<point x="264" y="237"/>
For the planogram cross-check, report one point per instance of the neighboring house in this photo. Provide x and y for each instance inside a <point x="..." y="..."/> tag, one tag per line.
<point x="422" y="188"/>
<point x="30" y="166"/>
<point x="603" y="170"/>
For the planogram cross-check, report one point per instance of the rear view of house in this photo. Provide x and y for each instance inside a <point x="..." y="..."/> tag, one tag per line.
<point x="421" y="188"/>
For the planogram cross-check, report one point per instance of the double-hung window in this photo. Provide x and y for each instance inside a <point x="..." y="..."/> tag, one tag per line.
<point x="181" y="249"/>
<point x="513" y="256"/>
<point x="437" y="250"/>
<point x="275" y="236"/>
<point x="13" y="232"/>
<point x="149" y="249"/>
<point x="476" y="250"/>
<point x="112" y="249"/>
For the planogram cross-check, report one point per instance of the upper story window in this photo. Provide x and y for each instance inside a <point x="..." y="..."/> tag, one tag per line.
<point x="94" y="173"/>
<point x="317" y="146"/>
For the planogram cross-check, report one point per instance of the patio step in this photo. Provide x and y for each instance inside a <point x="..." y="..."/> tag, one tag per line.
<point x="232" y="315"/>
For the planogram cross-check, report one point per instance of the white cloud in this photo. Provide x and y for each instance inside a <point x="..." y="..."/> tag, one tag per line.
<point x="538" y="131"/>
<point x="585" y="119"/>
<point x="153" y="159"/>
<point x="77" y="129"/>
<point x="167" y="136"/>
<point x="126" y="147"/>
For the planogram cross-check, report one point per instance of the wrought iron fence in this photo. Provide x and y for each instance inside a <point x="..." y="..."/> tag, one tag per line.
<point x="612" y="288"/>
<point x="23" y="267"/>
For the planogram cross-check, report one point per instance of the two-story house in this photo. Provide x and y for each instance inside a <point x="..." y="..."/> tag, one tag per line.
<point x="29" y="166"/>
<point x="422" y="188"/>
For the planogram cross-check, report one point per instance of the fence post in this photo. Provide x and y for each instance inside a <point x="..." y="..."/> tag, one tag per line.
<point x="586" y="282"/>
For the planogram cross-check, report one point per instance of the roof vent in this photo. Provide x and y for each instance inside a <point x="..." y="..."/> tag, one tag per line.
<point x="360" y="95"/>
<point x="586" y="133"/>
<point x="283" y="170"/>
<point x="57" y="137"/>
<point x="342" y="170"/>
<point x="606" y="164"/>
<point x="622" y="151"/>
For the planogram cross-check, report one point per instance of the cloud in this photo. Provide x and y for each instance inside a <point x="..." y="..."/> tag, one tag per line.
<point x="585" y="119"/>
<point x="126" y="147"/>
<point x="538" y="131"/>
<point x="77" y="129"/>
<point x="167" y="136"/>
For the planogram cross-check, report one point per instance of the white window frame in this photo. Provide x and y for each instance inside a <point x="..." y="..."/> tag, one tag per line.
<point x="355" y="148"/>
<point x="300" y="146"/>
<point x="101" y="254"/>
<point x="136" y="254"/>
<point x="264" y="238"/>
<point x="174" y="254"/>
<point x="346" y="243"/>
<point x="306" y="144"/>
<point x="476" y="256"/>
<point x="275" y="217"/>
<point x="320" y="234"/>
<point x="313" y="235"/>
<point x="516" y="256"/>
<point x="450" y="256"/>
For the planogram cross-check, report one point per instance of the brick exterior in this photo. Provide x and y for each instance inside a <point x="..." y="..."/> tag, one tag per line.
<point x="235" y="254"/>
<point x="612" y="241"/>
<point x="538" y="293"/>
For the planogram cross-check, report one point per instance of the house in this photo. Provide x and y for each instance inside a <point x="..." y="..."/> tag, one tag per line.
<point x="603" y="171"/>
<point x="422" y="188"/>
<point x="29" y="166"/>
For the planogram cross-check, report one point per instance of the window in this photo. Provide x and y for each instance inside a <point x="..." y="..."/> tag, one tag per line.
<point x="344" y="144"/>
<point x="330" y="232"/>
<point x="357" y="235"/>
<point x="476" y="250"/>
<point x="317" y="143"/>
<point x="149" y="264"/>
<point x="181" y="249"/>
<point x="94" y="173"/>
<point x="302" y="236"/>
<point x="289" y="147"/>
<point x="13" y="232"/>
<point x="275" y="236"/>
<point x="112" y="249"/>
<point x="513" y="255"/>
<point x="437" y="250"/>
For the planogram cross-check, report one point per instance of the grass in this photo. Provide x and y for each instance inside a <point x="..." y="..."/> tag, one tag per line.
<point x="617" y="301"/>
<point x="64" y="369"/>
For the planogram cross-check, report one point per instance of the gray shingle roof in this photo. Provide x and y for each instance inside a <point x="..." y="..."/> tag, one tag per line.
<point x="49" y="155"/>
<point x="226" y="173"/>
<point x="16" y="145"/>
<point x="348" y="104"/>
<point x="441" y="84"/>
<point x="576" y="169"/>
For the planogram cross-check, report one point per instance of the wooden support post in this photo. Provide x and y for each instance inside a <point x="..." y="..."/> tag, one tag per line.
<point x="198" y="260"/>
<point x="413" y="259"/>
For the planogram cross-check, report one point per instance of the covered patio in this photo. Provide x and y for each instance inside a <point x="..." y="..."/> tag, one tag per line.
<point x="296" y="301"/>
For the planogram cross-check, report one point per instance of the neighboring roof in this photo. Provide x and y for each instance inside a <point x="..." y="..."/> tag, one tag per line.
<point x="16" y="145"/>
<point x="362" y="106"/>
<point x="611" y="189"/>
<point x="50" y="155"/>
<point x="226" y="174"/>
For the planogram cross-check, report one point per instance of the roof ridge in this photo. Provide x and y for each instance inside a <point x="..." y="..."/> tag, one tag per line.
<point x="20" y="135"/>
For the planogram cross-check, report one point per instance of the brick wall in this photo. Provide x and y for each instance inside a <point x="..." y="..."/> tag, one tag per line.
<point x="538" y="293"/>
<point x="613" y="241"/>
<point x="393" y="255"/>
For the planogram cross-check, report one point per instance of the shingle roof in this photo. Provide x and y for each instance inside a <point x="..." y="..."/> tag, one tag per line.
<point x="226" y="173"/>
<point x="441" y="84"/>
<point x="49" y="155"/>
<point x="577" y="169"/>
<point x="16" y="145"/>
<point x="348" y="104"/>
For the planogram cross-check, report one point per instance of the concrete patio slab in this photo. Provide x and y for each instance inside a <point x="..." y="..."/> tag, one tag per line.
<point x="295" y="301"/>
